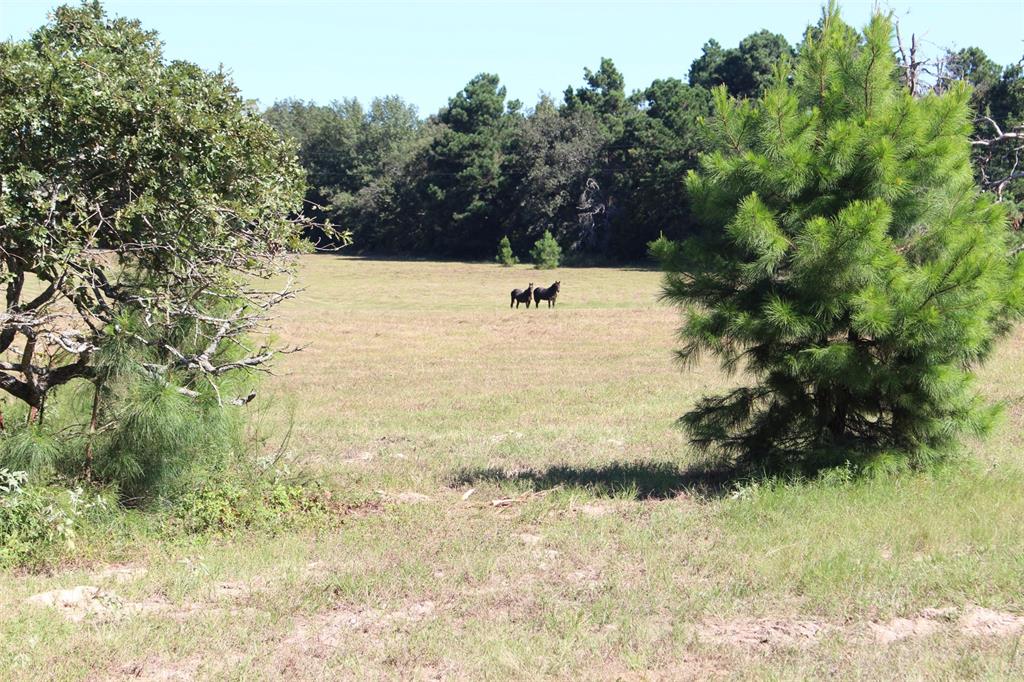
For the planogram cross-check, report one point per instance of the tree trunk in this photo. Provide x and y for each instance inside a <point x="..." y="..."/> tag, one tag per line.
<point x="837" y="425"/>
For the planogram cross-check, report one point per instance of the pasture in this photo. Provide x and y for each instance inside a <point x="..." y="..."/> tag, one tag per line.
<point x="520" y="506"/>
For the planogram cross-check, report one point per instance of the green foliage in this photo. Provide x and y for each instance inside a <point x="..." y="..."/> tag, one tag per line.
<point x="151" y="430"/>
<point x="142" y="202"/>
<point x="159" y="436"/>
<point x="154" y="143"/>
<point x="38" y="521"/>
<point x="505" y="256"/>
<point x="158" y="165"/>
<point x="746" y="70"/>
<point x="846" y="260"/>
<point x="354" y="158"/>
<point x="463" y="181"/>
<point x="248" y="498"/>
<point x="661" y="249"/>
<point x="546" y="253"/>
<point x="33" y="449"/>
<point x="659" y="147"/>
<point x="997" y="97"/>
<point x="603" y="95"/>
<point x="602" y="170"/>
<point x="550" y="156"/>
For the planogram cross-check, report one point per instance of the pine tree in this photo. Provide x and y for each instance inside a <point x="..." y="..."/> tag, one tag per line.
<point x="546" y="252"/>
<point x="846" y="260"/>
<point x="505" y="256"/>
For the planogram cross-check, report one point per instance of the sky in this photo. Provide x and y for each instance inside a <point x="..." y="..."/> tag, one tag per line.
<point x="324" y="50"/>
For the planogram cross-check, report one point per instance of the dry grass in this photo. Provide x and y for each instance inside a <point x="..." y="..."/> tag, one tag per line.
<point x="419" y="386"/>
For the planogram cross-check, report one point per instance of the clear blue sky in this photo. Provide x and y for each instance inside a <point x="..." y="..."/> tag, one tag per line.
<point x="426" y="51"/>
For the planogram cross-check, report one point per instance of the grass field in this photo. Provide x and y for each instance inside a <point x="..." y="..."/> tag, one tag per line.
<point x="521" y="509"/>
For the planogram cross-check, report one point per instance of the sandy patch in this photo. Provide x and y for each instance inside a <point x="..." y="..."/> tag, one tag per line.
<point x="77" y="603"/>
<point x="317" y="636"/>
<point x="981" y="622"/>
<point x="160" y="669"/>
<point x="594" y="510"/>
<point x="902" y="628"/>
<point x="975" y="621"/>
<point x="589" y="578"/>
<point x="772" y="632"/>
<point x="92" y="602"/>
<point x="357" y="457"/>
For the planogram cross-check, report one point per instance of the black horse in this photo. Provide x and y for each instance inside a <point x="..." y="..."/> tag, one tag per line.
<point x="522" y="296"/>
<point x="549" y="294"/>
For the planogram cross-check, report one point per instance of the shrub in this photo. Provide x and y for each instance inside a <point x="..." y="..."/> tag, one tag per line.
<point x="546" y="252"/>
<point x="846" y="260"/>
<point x="148" y="430"/>
<point x="36" y="521"/>
<point x="505" y="256"/>
<point x="660" y="248"/>
<point x="248" y="498"/>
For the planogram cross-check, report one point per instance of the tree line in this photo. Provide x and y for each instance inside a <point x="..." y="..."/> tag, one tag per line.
<point x="602" y="170"/>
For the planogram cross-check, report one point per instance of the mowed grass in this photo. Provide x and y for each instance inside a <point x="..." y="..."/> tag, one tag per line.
<point x="523" y="508"/>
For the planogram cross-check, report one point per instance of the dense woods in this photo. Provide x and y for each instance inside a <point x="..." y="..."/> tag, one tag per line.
<point x="602" y="169"/>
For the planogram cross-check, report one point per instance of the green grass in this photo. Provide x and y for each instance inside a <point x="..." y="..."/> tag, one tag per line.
<point x="417" y="385"/>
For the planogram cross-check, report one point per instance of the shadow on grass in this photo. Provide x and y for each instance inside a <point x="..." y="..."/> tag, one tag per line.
<point x="639" y="480"/>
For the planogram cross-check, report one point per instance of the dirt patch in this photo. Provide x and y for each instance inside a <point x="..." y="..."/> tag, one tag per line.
<point x="316" y="569"/>
<point x="120" y="573"/>
<point x="588" y="578"/>
<point x="89" y="601"/>
<point x="160" y="669"/>
<point x="239" y="590"/>
<point x="975" y="621"/>
<point x="943" y="613"/>
<point x="318" y="635"/>
<point x="757" y="632"/>
<point x="594" y="510"/>
<point x="77" y="603"/>
<point x="231" y="590"/>
<point x="501" y="437"/>
<point x="902" y="628"/>
<point x="356" y="457"/>
<point x="981" y="622"/>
